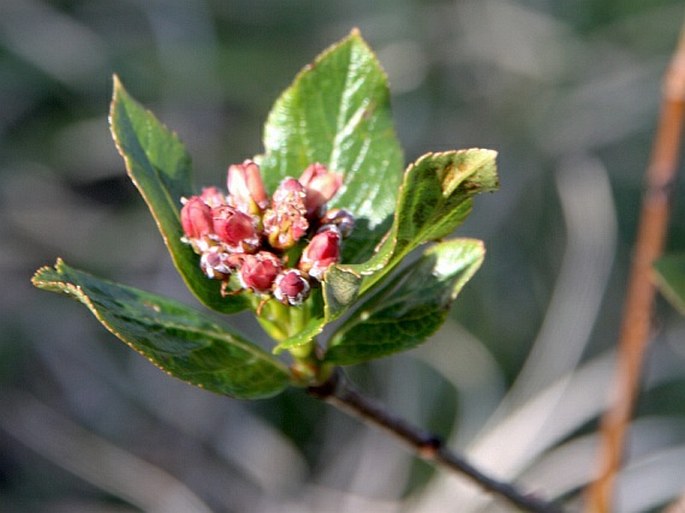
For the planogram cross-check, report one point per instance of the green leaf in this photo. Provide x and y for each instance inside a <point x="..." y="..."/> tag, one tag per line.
<point x="303" y="337"/>
<point x="174" y="337"/>
<point x="670" y="278"/>
<point x="409" y="308"/>
<point x="159" y="166"/>
<point x="434" y="199"/>
<point x="337" y="112"/>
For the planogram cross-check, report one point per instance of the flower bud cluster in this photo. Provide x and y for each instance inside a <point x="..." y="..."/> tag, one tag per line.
<point x="248" y="234"/>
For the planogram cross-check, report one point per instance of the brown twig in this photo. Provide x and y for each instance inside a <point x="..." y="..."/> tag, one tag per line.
<point x="637" y="312"/>
<point x="338" y="392"/>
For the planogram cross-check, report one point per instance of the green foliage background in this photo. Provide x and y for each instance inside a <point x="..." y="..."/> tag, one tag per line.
<point x="567" y="92"/>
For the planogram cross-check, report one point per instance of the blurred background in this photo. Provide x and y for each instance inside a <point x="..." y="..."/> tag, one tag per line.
<point x="568" y="93"/>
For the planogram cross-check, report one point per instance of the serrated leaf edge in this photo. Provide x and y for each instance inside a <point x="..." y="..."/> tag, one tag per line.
<point x="77" y="292"/>
<point x="119" y="92"/>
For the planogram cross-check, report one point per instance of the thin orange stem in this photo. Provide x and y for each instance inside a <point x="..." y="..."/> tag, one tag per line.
<point x="638" y="307"/>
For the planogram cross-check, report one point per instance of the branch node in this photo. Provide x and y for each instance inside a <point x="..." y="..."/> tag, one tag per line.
<point x="429" y="448"/>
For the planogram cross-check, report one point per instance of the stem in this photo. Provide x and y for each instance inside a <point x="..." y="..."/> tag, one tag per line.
<point x="639" y="303"/>
<point x="338" y="392"/>
<point x="273" y="318"/>
<point x="677" y="507"/>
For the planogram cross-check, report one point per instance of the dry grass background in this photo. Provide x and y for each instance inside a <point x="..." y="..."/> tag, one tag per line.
<point x="567" y="92"/>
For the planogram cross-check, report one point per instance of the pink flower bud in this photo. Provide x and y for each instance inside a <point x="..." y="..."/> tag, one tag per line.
<point x="259" y="271"/>
<point x="196" y="218"/>
<point x="289" y="191"/>
<point x="286" y="222"/>
<point x="218" y="264"/>
<point x="213" y="197"/>
<point x="291" y="287"/>
<point x="236" y="229"/>
<point x="322" y="252"/>
<point x="245" y="188"/>
<point x="340" y="218"/>
<point x="321" y="185"/>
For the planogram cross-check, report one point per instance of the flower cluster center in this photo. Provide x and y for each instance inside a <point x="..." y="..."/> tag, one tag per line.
<point x="277" y="247"/>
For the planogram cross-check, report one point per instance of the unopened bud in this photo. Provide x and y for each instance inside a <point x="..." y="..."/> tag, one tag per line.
<point x="290" y="191"/>
<point x="322" y="252"/>
<point x="291" y="287"/>
<point x="286" y="222"/>
<point x="236" y="229"/>
<point x="340" y="218"/>
<point x="213" y="197"/>
<point x="321" y="185"/>
<point x="218" y="264"/>
<point x="196" y="218"/>
<point x="246" y="188"/>
<point x="258" y="272"/>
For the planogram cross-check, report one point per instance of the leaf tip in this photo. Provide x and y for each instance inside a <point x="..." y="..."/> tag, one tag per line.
<point x="118" y="88"/>
<point x="39" y="277"/>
